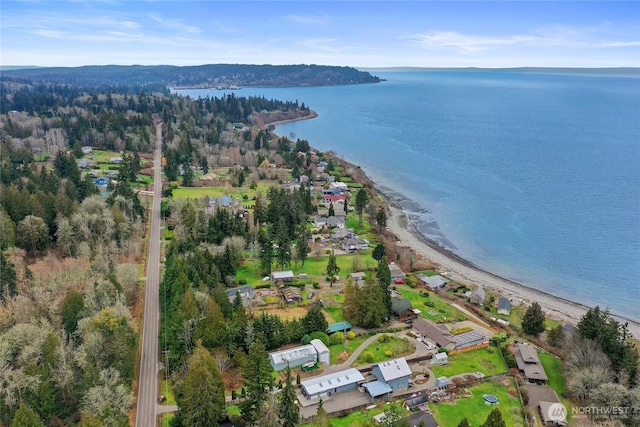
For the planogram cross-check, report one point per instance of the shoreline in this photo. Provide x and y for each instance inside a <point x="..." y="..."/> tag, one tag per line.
<point x="464" y="271"/>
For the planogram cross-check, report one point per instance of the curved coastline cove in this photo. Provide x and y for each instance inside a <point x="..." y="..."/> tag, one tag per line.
<point x="532" y="177"/>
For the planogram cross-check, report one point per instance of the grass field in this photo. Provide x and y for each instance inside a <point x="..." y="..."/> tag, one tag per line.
<point x="377" y="351"/>
<point x="166" y="419"/>
<point x="476" y="411"/>
<point x="441" y="311"/>
<point x="553" y="367"/>
<point x="350" y="345"/>
<point x="485" y="360"/>
<point x="167" y="390"/>
<point x="355" y="419"/>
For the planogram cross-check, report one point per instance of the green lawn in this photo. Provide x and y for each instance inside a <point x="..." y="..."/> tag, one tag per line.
<point x="485" y="360"/>
<point x="350" y="346"/>
<point x="377" y="351"/>
<point x="102" y="156"/>
<point x="474" y="409"/>
<point x="167" y="390"/>
<point x="166" y="419"/>
<point x="355" y="419"/>
<point x="553" y="367"/>
<point x="441" y="311"/>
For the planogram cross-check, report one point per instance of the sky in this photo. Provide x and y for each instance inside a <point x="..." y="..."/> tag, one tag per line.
<point x="363" y="34"/>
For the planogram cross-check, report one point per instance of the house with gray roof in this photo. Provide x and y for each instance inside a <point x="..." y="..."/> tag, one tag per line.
<point x="433" y="282"/>
<point x="396" y="272"/>
<point x="529" y="363"/>
<point x="435" y="333"/>
<point x="246" y="293"/>
<point x="327" y="385"/>
<point x="395" y="373"/>
<point x="402" y="308"/>
<point x="477" y="296"/>
<point x="504" y="306"/>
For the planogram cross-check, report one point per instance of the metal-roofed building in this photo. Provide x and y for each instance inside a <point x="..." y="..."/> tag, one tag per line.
<point x="293" y="357"/>
<point x="504" y="306"/>
<point x="329" y="384"/>
<point x="339" y="327"/>
<point x="324" y="354"/>
<point x="433" y="282"/>
<point x="378" y="388"/>
<point x="469" y="339"/>
<point x="394" y="373"/>
<point x="282" y="276"/>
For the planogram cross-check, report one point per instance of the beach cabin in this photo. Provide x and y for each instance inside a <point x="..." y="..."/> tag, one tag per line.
<point x="433" y="282"/>
<point x="326" y="385"/>
<point x="477" y="296"/>
<point x="504" y="306"/>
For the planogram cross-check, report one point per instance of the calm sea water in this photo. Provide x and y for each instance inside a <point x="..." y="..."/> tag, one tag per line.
<point x="535" y="177"/>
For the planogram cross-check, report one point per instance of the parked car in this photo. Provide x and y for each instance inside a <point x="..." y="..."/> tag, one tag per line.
<point x="310" y="295"/>
<point x="399" y="281"/>
<point x="266" y="278"/>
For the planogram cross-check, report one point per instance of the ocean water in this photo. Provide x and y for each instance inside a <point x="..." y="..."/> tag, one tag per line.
<point x="534" y="177"/>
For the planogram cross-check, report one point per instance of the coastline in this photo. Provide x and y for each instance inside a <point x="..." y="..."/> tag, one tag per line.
<point x="463" y="271"/>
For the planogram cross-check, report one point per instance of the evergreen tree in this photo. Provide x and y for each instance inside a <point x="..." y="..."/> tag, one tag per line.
<point x="533" y="320"/>
<point x="381" y="219"/>
<point x="464" y="423"/>
<point x="362" y="198"/>
<point x="283" y="242"/>
<point x="331" y="211"/>
<point x="8" y="280"/>
<point x="258" y="381"/>
<point x="332" y="268"/>
<point x="555" y="336"/>
<point x="384" y="280"/>
<point x="378" y="252"/>
<point x="26" y="417"/>
<point x="494" y="419"/>
<point x="72" y="307"/>
<point x="314" y="320"/>
<point x="322" y="418"/>
<point x="202" y="401"/>
<point x="287" y="408"/>
<point x="304" y="246"/>
<point x="266" y="251"/>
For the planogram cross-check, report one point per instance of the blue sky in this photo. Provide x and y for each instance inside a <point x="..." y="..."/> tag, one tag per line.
<point x="354" y="33"/>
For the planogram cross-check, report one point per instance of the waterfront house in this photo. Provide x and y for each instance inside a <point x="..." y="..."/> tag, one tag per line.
<point x="430" y="331"/>
<point x="477" y="296"/>
<point x="402" y="308"/>
<point x="433" y="282"/>
<point x="396" y="272"/>
<point x="529" y="363"/>
<point x="504" y="306"/>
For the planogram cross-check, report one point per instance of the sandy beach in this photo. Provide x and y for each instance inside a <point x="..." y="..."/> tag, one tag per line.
<point x="464" y="272"/>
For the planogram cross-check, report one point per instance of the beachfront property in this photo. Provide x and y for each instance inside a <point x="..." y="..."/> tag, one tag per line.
<point x="529" y="363"/>
<point x="332" y="221"/>
<point x="396" y="272"/>
<point x="340" y="234"/>
<point x="433" y="282"/>
<point x="477" y="296"/>
<point x="504" y="306"/>
<point x="328" y="199"/>
<point x="354" y="245"/>
<point x="326" y="385"/>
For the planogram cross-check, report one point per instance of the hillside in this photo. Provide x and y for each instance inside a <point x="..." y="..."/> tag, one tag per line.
<point x="212" y="75"/>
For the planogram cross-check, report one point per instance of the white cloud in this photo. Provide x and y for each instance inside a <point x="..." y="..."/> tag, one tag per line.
<point x="307" y="19"/>
<point x="175" y="24"/>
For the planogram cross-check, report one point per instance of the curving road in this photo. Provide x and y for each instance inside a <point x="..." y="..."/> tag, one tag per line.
<point x="149" y="360"/>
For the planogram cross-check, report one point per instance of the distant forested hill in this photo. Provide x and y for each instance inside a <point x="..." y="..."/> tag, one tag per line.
<point x="213" y="75"/>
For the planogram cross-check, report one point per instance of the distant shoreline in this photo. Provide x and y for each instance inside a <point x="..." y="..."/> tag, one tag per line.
<point x="464" y="271"/>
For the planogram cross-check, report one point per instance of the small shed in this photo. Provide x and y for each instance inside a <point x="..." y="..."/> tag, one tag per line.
<point x="442" y="381"/>
<point x="282" y="276"/>
<point x="504" y="306"/>
<point x="339" y="327"/>
<point x="324" y="355"/>
<point x="477" y="296"/>
<point x="440" y="359"/>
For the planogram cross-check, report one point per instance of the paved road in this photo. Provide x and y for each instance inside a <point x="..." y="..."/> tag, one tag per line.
<point x="148" y="380"/>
